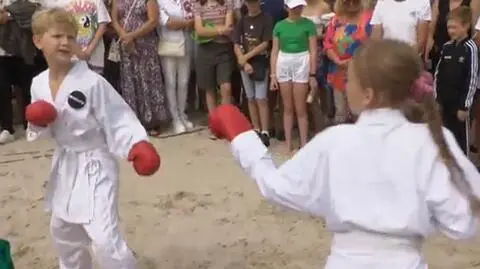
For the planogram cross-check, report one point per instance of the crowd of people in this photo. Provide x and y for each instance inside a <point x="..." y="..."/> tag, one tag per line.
<point x="291" y="56"/>
<point x="365" y="62"/>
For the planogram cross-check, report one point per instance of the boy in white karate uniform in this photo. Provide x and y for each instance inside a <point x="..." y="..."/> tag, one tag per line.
<point x="382" y="184"/>
<point x="90" y="123"/>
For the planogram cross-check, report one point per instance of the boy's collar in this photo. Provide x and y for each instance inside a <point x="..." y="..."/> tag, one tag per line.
<point x="461" y="39"/>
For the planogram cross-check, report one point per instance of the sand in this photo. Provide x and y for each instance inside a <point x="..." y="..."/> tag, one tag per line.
<point x="200" y="211"/>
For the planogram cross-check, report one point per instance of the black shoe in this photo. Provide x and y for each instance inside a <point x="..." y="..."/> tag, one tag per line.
<point x="271" y="132"/>
<point x="265" y="139"/>
<point x="280" y="136"/>
<point x="473" y="149"/>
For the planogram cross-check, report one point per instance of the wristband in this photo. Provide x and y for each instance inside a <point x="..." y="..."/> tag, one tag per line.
<point x="313" y="75"/>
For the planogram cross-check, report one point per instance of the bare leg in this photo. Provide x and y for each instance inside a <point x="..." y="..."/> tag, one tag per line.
<point x="263" y="112"/>
<point x="288" y="111"/>
<point x="253" y="111"/>
<point x="226" y="93"/>
<point x="210" y="98"/>
<point x="300" y="92"/>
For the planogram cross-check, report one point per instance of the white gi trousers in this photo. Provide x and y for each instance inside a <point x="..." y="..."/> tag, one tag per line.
<point x="85" y="215"/>
<point x="72" y="242"/>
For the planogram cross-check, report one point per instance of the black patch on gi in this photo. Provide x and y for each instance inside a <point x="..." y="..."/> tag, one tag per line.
<point x="77" y="100"/>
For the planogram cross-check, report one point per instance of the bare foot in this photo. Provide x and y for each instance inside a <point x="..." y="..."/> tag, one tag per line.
<point x="287" y="150"/>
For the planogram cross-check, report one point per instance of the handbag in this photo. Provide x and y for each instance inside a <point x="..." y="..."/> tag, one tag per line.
<point x="259" y="65"/>
<point x="114" y="51"/>
<point x="171" y="48"/>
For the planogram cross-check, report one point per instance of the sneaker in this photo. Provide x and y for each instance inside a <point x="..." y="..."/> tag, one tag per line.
<point x="211" y="136"/>
<point x="178" y="127"/>
<point x="265" y="139"/>
<point x="473" y="149"/>
<point x="280" y="135"/>
<point x="188" y="124"/>
<point x="6" y="137"/>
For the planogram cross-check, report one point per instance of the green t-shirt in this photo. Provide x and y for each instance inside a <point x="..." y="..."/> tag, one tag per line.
<point x="293" y="35"/>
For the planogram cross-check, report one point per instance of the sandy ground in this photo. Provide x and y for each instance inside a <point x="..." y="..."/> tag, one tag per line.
<point x="200" y="211"/>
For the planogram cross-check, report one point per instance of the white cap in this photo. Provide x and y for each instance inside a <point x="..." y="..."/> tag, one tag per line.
<point x="295" y="3"/>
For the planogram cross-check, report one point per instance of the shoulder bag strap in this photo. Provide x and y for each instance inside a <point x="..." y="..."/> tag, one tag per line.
<point x="129" y="13"/>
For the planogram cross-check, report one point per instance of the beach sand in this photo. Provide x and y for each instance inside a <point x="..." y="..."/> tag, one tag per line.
<point x="200" y="211"/>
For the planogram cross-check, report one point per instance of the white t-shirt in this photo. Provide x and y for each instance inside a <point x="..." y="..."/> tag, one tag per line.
<point x="399" y="19"/>
<point x="89" y="14"/>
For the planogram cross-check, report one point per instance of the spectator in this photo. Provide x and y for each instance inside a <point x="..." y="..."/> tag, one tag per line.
<point x="176" y="50"/>
<point x="276" y="9"/>
<point x="293" y="67"/>
<point x="456" y="75"/>
<point x="252" y="39"/>
<point x="314" y="11"/>
<point x="475" y="143"/>
<point x="140" y="72"/>
<point x="345" y="33"/>
<point x="214" y="61"/>
<point x="92" y="19"/>
<point x="16" y="65"/>
<point x="111" y="70"/>
<point x="437" y="33"/>
<point x="402" y="20"/>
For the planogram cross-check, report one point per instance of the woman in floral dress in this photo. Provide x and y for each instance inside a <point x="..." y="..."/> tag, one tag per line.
<point x="141" y="80"/>
<point x="345" y="33"/>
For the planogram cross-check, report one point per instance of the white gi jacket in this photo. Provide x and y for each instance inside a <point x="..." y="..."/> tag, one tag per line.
<point x="379" y="184"/>
<point x="93" y="121"/>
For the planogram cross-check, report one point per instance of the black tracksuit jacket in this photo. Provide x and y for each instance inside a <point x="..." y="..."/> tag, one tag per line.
<point x="456" y="75"/>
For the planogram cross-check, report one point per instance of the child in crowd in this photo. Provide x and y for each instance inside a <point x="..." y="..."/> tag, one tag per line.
<point x="252" y="39"/>
<point x="380" y="191"/>
<point x="92" y="18"/>
<point x="293" y="67"/>
<point x="456" y="75"/>
<point x="90" y="123"/>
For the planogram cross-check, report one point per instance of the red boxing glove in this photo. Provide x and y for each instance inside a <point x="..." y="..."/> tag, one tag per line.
<point x="145" y="158"/>
<point x="40" y="113"/>
<point x="226" y="121"/>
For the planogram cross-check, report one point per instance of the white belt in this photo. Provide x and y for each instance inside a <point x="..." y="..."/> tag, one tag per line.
<point x="360" y="240"/>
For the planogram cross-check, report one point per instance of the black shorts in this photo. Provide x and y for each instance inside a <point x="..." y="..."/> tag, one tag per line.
<point x="214" y="65"/>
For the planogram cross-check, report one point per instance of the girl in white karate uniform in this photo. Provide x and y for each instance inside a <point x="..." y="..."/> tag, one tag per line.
<point x="382" y="184"/>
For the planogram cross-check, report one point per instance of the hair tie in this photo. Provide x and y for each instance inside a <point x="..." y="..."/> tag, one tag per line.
<point x="422" y="86"/>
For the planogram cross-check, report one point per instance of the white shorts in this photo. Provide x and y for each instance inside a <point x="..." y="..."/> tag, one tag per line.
<point x="294" y="67"/>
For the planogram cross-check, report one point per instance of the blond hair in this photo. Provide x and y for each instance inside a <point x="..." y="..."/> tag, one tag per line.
<point x="462" y="14"/>
<point x="390" y="68"/>
<point x="45" y="19"/>
<point x="348" y="7"/>
<point x="369" y="4"/>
